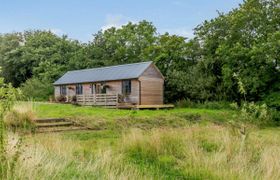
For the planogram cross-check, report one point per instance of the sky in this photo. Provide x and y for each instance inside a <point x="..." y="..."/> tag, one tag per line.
<point x="80" y="19"/>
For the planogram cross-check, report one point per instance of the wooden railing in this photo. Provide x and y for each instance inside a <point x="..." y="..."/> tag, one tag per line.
<point x="98" y="99"/>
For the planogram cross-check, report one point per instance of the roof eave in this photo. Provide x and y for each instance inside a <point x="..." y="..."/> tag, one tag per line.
<point x="84" y="82"/>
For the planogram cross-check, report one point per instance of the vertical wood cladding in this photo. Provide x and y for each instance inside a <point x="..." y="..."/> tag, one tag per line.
<point x="151" y="87"/>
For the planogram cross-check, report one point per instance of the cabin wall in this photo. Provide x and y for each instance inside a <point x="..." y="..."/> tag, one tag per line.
<point x="134" y="96"/>
<point x="115" y="87"/>
<point x="71" y="90"/>
<point x="86" y="88"/>
<point x="56" y="91"/>
<point x="152" y="86"/>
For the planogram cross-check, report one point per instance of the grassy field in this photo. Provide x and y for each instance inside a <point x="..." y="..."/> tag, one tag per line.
<point x="101" y="118"/>
<point x="164" y="144"/>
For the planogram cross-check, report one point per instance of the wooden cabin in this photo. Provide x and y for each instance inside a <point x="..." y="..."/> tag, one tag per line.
<point x="129" y="84"/>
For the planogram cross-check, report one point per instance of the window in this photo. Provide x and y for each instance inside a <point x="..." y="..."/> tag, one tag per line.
<point x="126" y="87"/>
<point x="79" y="89"/>
<point x="104" y="90"/>
<point x="63" y="90"/>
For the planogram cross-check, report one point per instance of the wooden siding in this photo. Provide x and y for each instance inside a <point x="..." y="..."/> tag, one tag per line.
<point x="114" y="87"/>
<point x="56" y="91"/>
<point x="71" y="90"/>
<point x="151" y="87"/>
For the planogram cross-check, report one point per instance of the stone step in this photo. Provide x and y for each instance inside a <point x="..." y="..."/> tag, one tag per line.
<point x="49" y="120"/>
<point x="55" y="124"/>
<point x="60" y="129"/>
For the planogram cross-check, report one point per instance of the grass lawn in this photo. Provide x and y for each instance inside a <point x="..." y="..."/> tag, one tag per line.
<point x="94" y="116"/>
<point x="149" y="144"/>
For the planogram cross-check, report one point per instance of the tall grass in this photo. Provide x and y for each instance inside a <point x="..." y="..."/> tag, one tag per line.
<point x="21" y="116"/>
<point x="202" y="153"/>
<point x="52" y="157"/>
<point x="194" y="152"/>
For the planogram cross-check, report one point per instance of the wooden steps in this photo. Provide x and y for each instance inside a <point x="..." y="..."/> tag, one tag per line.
<point x="56" y="125"/>
<point x="50" y="120"/>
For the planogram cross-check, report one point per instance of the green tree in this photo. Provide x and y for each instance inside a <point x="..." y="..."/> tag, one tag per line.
<point x="238" y="42"/>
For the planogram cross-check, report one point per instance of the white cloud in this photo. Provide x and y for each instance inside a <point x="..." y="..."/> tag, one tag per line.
<point x="181" y="31"/>
<point x="116" y="21"/>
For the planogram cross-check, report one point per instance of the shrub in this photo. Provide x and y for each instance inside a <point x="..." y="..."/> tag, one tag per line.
<point x="74" y="100"/>
<point x="37" y="89"/>
<point x="255" y="113"/>
<point x="8" y="96"/>
<point x="273" y="100"/>
<point x="61" y="98"/>
<point x="187" y="103"/>
<point x="275" y="116"/>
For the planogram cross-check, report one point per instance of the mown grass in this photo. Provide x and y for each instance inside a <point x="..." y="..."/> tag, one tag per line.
<point x="101" y="118"/>
<point x="165" y="144"/>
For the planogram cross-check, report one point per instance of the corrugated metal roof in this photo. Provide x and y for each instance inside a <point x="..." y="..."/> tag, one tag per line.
<point x="126" y="71"/>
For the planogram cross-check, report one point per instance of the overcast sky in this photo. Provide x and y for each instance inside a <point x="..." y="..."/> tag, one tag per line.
<point x="79" y="19"/>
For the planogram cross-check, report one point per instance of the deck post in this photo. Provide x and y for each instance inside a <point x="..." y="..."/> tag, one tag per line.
<point x="84" y="99"/>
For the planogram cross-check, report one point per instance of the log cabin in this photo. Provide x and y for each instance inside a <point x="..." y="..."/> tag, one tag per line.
<point x="129" y="84"/>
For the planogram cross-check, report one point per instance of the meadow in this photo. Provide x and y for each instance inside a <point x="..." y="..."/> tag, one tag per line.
<point x="182" y="143"/>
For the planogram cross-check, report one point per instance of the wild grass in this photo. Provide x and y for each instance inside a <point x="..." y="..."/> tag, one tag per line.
<point x="53" y="157"/>
<point x="210" y="152"/>
<point x="167" y="144"/>
<point x="194" y="152"/>
<point x="21" y="116"/>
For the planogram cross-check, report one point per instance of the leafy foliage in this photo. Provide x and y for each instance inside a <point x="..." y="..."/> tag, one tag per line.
<point x="8" y="96"/>
<point x="242" y="44"/>
<point x="37" y="89"/>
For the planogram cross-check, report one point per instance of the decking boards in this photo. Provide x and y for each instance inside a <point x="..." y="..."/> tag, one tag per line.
<point x="164" y="106"/>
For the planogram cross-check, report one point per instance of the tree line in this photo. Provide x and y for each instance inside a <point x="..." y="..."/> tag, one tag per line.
<point x="240" y="46"/>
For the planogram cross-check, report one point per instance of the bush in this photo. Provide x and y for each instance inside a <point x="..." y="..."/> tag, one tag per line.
<point x="275" y="116"/>
<point x="187" y="103"/>
<point x="273" y="100"/>
<point x="61" y="98"/>
<point x="74" y="100"/>
<point x="37" y="90"/>
<point x="255" y="113"/>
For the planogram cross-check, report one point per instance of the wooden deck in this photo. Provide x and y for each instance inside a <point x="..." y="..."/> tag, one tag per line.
<point x="98" y="99"/>
<point x="112" y="101"/>
<point x="163" y="106"/>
